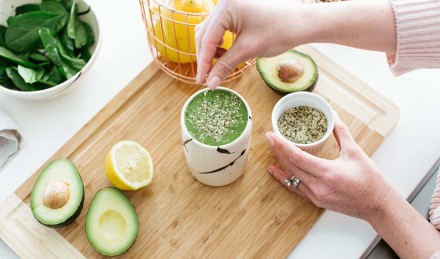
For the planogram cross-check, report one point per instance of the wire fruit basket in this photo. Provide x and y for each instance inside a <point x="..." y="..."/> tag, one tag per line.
<point x="170" y="35"/>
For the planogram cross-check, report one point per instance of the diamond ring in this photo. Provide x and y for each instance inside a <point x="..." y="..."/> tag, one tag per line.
<point x="292" y="181"/>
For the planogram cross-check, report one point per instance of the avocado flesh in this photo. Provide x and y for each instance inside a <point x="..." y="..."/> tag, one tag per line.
<point x="112" y="224"/>
<point x="267" y="67"/>
<point x="58" y="170"/>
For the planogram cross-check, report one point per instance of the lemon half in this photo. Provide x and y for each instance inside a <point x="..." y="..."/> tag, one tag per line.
<point x="129" y="166"/>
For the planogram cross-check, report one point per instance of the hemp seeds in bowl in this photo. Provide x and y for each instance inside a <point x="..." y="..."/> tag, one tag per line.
<point x="305" y="119"/>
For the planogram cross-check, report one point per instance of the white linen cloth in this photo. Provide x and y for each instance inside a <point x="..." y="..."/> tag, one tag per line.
<point x="9" y="137"/>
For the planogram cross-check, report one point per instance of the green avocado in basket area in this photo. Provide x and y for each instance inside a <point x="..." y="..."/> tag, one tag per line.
<point x="289" y="72"/>
<point x="43" y="45"/>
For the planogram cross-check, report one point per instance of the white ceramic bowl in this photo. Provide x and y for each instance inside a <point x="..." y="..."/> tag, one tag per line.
<point x="7" y="8"/>
<point x="305" y="99"/>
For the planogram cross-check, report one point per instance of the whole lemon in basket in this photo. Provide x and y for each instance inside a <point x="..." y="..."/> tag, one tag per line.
<point x="175" y="30"/>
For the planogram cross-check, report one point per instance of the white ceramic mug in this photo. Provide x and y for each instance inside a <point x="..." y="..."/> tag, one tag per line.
<point x="216" y="165"/>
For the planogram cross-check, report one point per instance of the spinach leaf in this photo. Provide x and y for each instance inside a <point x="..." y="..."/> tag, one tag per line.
<point x="66" y="65"/>
<point x="3" y="64"/>
<point x="48" y="83"/>
<point x="26" y="8"/>
<point x="56" y="8"/>
<point x="72" y="22"/>
<point x="38" y="57"/>
<point x="2" y="35"/>
<point x="75" y="29"/>
<point x="66" y="3"/>
<point x="55" y="76"/>
<point x="85" y="53"/>
<point x="22" y="33"/>
<point x="7" y="54"/>
<point x="7" y="83"/>
<point x="73" y="62"/>
<point x="90" y="34"/>
<point x="18" y="81"/>
<point x="46" y="80"/>
<point x="50" y="45"/>
<point x="80" y="35"/>
<point x="67" y="42"/>
<point x="24" y="56"/>
<point x="29" y="75"/>
<point x="10" y="19"/>
<point x="4" y="79"/>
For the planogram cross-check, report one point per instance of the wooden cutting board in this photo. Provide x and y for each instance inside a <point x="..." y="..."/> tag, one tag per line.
<point x="254" y="217"/>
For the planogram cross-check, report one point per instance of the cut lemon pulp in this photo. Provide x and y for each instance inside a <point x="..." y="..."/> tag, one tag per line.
<point x="129" y="166"/>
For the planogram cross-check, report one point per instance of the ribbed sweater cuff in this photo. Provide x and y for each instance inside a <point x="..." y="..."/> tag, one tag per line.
<point x="418" y="35"/>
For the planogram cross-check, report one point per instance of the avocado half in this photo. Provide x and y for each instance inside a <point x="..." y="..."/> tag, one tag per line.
<point x="289" y="72"/>
<point x="112" y="224"/>
<point x="57" y="197"/>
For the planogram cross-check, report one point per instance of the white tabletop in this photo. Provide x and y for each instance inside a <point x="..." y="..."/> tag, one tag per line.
<point x="404" y="157"/>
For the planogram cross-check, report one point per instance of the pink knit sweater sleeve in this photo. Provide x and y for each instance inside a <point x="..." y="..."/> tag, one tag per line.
<point x="418" y="35"/>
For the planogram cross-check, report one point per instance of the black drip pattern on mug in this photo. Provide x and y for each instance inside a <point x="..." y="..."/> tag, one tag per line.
<point x="226" y="166"/>
<point x="224" y="151"/>
<point x="186" y="142"/>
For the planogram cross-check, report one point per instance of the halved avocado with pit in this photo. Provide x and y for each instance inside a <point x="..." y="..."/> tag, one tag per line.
<point x="112" y="224"/>
<point x="58" y="194"/>
<point x="289" y="72"/>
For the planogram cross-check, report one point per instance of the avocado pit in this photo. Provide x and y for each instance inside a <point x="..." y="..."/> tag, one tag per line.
<point x="56" y="195"/>
<point x="292" y="71"/>
<point x="289" y="70"/>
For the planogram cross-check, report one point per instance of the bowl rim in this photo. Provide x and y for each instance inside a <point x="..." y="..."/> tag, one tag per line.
<point x="246" y="129"/>
<point x="328" y="112"/>
<point x="59" y="88"/>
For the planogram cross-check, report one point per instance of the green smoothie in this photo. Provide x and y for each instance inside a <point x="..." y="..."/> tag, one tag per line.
<point x="216" y="117"/>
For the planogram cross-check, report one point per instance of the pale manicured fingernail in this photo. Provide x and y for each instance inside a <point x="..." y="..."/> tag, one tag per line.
<point x="213" y="82"/>
<point x="269" y="137"/>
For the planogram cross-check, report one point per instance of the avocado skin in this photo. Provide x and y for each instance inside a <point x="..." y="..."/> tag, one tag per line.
<point x="275" y="88"/>
<point x="72" y="218"/>
<point x="69" y="220"/>
<point x="103" y="252"/>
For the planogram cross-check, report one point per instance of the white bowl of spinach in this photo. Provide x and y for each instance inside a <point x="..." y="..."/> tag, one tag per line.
<point x="45" y="46"/>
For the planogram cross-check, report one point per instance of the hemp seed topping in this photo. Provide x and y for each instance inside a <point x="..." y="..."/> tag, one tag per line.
<point x="217" y="117"/>
<point x="302" y="125"/>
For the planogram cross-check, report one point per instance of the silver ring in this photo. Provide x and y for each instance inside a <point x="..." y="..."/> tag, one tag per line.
<point x="292" y="180"/>
<point x="295" y="181"/>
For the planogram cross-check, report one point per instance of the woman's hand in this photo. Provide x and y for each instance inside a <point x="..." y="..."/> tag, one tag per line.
<point x="350" y="184"/>
<point x="266" y="29"/>
<point x="260" y="31"/>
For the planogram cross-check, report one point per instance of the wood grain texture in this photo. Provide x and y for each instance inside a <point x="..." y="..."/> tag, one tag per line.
<point x="254" y="217"/>
<point x="18" y="229"/>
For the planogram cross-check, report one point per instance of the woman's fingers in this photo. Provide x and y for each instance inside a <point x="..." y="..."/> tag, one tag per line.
<point x="199" y="31"/>
<point x="343" y="136"/>
<point x="287" y="151"/>
<point x="208" y="38"/>
<point x="226" y="64"/>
